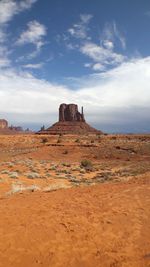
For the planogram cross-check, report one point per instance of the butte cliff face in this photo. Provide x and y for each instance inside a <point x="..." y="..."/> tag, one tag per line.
<point x="70" y="113"/>
<point x="3" y="124"/>
<point x="71" y="121"/>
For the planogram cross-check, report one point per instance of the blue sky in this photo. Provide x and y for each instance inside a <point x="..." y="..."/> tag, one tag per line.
<point x="93" y="53"/>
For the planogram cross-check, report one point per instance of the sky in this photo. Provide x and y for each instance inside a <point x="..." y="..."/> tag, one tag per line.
<point x="94" y="53"/>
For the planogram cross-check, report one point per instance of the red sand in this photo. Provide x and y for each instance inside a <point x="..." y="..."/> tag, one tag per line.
<point x="104" y="225"/>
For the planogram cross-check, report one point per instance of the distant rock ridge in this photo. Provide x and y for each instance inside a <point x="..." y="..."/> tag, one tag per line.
<point x="71" y="121"/>
<point x="6" y="129"/>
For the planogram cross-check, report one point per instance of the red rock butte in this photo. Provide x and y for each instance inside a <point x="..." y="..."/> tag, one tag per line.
<point x="3" y="124"/>
<point x="71" y="121"/>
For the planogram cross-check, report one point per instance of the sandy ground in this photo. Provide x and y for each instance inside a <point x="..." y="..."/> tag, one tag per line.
<point x="95" y="218"/>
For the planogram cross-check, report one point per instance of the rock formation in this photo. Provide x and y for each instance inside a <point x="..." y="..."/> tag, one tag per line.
<point x="71" y="121"/>
<point x="16" y="128"/>
<point x="6" y="129"/>
<point x="3" y="124"/>
<point x="70" y="113"/>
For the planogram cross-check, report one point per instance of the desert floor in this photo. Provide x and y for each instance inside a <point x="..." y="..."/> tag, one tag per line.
<point x="54" y="212"/>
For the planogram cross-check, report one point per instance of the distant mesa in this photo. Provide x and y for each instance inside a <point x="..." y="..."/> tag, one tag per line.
<point x="71" y="121"/>
<point x="3" y="124"/>
<point x="6" y="129"/>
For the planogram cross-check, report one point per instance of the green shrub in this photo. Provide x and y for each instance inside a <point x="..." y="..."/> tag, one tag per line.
<point x="87" y="164"/>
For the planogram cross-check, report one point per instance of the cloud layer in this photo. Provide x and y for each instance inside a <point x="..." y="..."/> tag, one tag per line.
<point x="121" y="94"/>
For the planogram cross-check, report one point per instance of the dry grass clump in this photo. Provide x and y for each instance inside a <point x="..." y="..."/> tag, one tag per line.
<point x="77" y="140"/>
<point x="55" y="187"/>
<point x="66" y="164"/>
<point x="52" y="168"/>
<point x="19" y="188"/>
<point x="13" y="175"/>
<point x="5" y="172"/>
<point x="33" y="175"/>
<point x="86" y="164"/>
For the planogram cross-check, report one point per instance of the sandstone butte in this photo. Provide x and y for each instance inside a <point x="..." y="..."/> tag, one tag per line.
<point x="6" y="129"/>
<point x="3" y="124"/>
<point x="71" y="121"/>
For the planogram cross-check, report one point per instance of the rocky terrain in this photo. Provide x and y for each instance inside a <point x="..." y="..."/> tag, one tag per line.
<point x="74" y="200"/>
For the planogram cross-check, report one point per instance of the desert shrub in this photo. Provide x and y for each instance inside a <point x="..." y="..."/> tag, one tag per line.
<point x="33" y="175"/>
<point x="48" y="175"/>
<point x="66" y="164"/>
<point x="20" y="188"/>
<point x="64" y="171"/>
<point x="5" y="172"/>
<point x="55" y="187"/>
<point x="65" y="152"/>
<point x="53" y="168"/>
<point x="10" y="164"/>
<point x="77" y="140"/>
<point x="82" y="171"/>
<point x="86" y="164"/>
<point x="75" y="169"/>
<point x="14" y="175"/>
<point x="92" y="141"/>
<point x="44" y="140"/>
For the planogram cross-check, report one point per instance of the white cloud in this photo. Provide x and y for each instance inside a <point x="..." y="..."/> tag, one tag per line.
<point x="100" y="54"/>
<point x="108" y="44"/>
<point x="119" y="35"/>
<point x="95" y="66"/>
<point x="4" y="62"/>
<point x="33" y="66"/>
<point x="2" y="36"/>
<point x="87" y="65"/>
<point x="26" y="4"/>
<point x="4" y="59"/>
<point x="80" y="29"/>
<point x="120" y="94"/>
<point x="9" y="8"/>
<point x="85" y="18"/>
<point x="112" y="35"/>
<point x="104" y="54"/>
<point x="98" y="67"/>
<point x="34" y="34"/>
